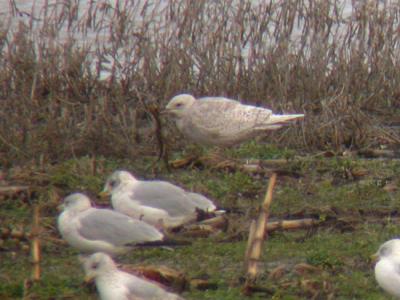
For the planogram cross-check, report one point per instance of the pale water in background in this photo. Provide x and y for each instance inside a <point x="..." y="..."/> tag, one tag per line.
<point x="90" y="23"/>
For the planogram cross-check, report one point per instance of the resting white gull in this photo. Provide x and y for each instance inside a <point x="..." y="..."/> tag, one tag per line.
<point x="156" y="202"/>
<point x="387" y="268"/>
<point x="90" y="230"/>
<point x="219" y="121"/>
<point x="113" y="284"/>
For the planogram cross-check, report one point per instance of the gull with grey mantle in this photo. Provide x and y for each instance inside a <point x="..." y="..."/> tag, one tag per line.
<point x="219" y="121"/>
<point x="156" y="202"/>
<point x="90" y="230"/>
<point x="113" y="284"/>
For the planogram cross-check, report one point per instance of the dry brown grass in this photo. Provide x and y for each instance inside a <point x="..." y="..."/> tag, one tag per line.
<point x="292" y="56"/>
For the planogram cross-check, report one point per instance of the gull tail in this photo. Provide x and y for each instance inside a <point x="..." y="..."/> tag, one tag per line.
<point x="163" y="243"/>
<point x="276" y="119"/>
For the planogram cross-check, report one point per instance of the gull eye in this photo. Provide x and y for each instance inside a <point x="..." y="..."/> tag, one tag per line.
<point x="385" y="251"/>
<point x="179" y="104"/>
<point x="113" y="183"/>
<point x="95" y="265"/>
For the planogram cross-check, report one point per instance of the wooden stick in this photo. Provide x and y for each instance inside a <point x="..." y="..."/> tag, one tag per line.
<point x="374" y="153"/>
<point x="35" y="248"/>
<point x="291" y="224"/>
<point x="258" y="238"/>
<point x="268" y="197"/>
<point x="7" y="190"/>
<point x="252" y="230"/>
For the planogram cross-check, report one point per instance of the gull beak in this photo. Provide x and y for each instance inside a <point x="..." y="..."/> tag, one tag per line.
<point x="164" y="112"/>
<point x="82" y="258"/>
<point x="88" y="278"/>
<point x="104" y="194"/>
<point x="374" y="258"/>
<point x="61" y="207"/>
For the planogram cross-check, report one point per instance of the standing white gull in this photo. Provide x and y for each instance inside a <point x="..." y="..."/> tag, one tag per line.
<point x="113" y="284"/>
<point x="159" y="203"/>
<point x="90" y="230"/>
<point x="219" y="121"/>
<point x="387" y="268"/>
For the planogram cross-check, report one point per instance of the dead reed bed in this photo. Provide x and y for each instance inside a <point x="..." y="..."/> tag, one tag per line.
<point x="75" y="76"/>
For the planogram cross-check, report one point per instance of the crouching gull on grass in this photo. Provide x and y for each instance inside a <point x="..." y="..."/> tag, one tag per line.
<point x="159" y="203"/>
<point x="219" y="121"/>
<point x="387" y="268"/>
<point x="90" y="230"/>
<point x="113" y="284"/>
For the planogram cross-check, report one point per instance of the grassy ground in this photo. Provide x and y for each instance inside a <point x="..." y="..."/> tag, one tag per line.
<point x="350" y="194"/>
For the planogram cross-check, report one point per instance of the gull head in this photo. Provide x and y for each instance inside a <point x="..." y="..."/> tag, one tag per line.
<point x="76" y="202"/>
<point x="179" y="104"/>
<point x="389" y="248"/>
<point x="116" y="180"/>
<point x="387" y="268"/>
<point x="97" y="264"/>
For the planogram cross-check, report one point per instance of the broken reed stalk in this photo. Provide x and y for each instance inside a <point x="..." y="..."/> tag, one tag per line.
<point x="291" y="224"/>
<point x="257" y="239"/>
<point x="252" y="230"/>
<point x="35" y="248"/>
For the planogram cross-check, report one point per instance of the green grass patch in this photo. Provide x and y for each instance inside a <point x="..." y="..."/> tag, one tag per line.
<point x="339" y="255"/>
